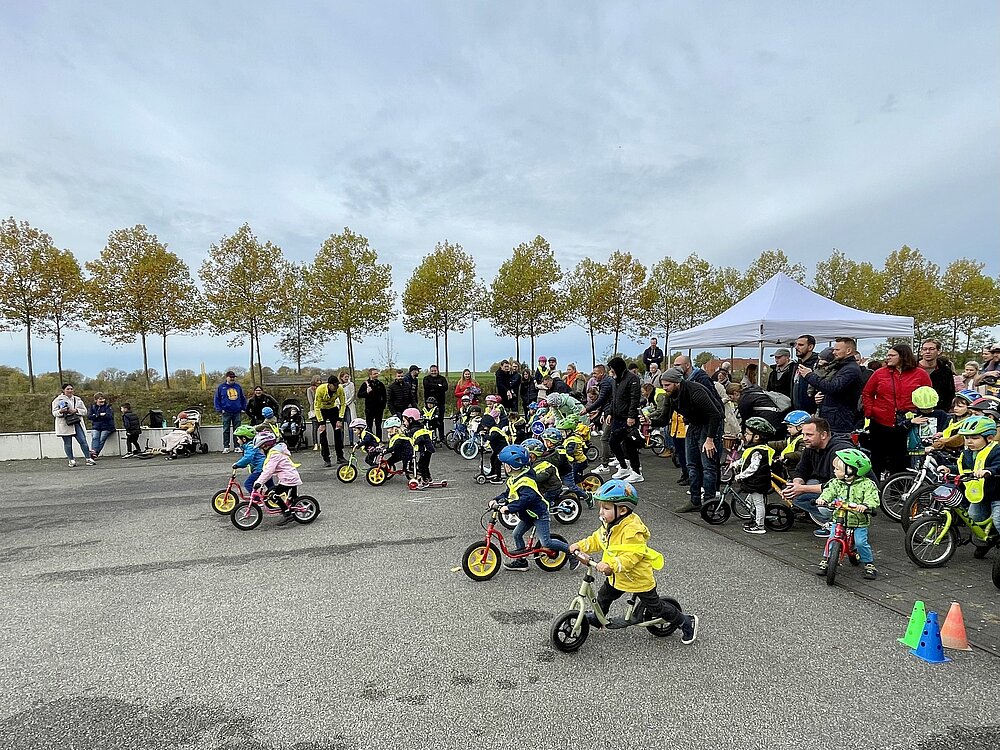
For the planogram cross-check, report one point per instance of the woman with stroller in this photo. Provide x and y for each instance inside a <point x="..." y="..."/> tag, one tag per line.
<point x="257" y="403"/>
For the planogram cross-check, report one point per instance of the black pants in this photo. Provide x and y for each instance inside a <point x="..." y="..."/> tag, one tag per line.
<point x="424" y="466"/>
<point x="888" y="447"/>
<point x="623" y="445"/>
<point x="331" y="416"/>
<point x="281" y="489"/>
<point x="132" y="444"/>
<point x="373" y="417"/>
<point x="655" y="606"/>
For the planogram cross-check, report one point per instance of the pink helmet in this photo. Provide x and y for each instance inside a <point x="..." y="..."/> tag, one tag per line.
<point x="412" y="413"/>
<point x="493" y="399"/>
<point x="542" y="360"/>
<point x="542" y="403"/>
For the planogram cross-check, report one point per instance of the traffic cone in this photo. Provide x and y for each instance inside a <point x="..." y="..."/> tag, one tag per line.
<point x="915" y="627"/>
<point x="953" y="631"/>
<point x="929" y="649"/>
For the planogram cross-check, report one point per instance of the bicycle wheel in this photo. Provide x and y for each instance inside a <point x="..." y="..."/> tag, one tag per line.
<point x="376" y="476"/>
<point x="562" y="635"/>
<point x="996" y="572"/>
<point x="592" y="453"/>
<point x="305" y="509"/>
<point x="480" y="562"/>
<point x="347" y="473"/>
<point x="246" y="517"/>
<point x="224" y="501"/>
<point x="568" y="510"/>
<point x="552" y="562"/>
<point x="778" y="517"/>
<point x="469" y="449"/>
<point x="662" y="630"/>
<point x="508" y="520"/>
<point x="742" y="509"/>
<point x="449" y="439"/>
<point x="920" y="502"/>
<point x="924" y="543"/>
<point x="590" y="482"/>
<point x="890" y="499"/>
<point x="657" y="445"/>
<point x="833" y="562"/>
<point x="716" y="511"/>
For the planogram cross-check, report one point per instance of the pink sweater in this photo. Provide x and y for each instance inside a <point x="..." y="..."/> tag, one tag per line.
<point x="278" y="465"/>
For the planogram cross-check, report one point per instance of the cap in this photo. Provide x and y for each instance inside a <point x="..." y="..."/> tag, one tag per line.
<point x="782" y="353"/>
<point x="827" y="354"/>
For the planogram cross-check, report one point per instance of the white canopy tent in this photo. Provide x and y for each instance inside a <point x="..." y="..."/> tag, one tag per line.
<point x="779" y="312"/>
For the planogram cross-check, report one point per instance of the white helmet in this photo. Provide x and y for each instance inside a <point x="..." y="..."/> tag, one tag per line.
<point x="357" y="422"/>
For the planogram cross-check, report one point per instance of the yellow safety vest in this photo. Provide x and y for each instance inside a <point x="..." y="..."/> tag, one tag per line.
<point x="791" y="447"/>
<point x="766" y="448"/>
<point x="974" y="488"/>
<point x="516" y="482"/>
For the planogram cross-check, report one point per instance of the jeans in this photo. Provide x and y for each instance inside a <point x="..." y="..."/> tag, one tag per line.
<point x="81" y="438"/>
<point x="605" y="444"/>
<point x="542" y="528"/>
<point x="98" y="438"/>
<point x="702" y="470"/>
<point x="982" y="510"/>
<point x="345" y="428"/>
<point x="230" y="422"/>
<point x="862" y="545"/>
<point x="807" y="502"/>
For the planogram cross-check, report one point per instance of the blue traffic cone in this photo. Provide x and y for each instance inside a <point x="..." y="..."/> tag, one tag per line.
<point x="930" y="649"/>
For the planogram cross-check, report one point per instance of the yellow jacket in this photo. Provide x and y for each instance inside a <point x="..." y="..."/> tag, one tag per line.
<point x="624" y="548"/>
<point x="326" y="400"/>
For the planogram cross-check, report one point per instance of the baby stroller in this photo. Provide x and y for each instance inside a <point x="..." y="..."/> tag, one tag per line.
<point x="185" y="438"/>
<point x="293" y="426"/>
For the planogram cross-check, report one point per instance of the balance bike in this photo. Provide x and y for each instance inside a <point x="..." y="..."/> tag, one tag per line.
<point x="382" y="472"/>
<point x="349" y="471"/>
<point x="482" y="560"/>
<point x="841" y="541"/>
<point x="248" y="515"/>
<point x="225" y="500"/>
<point x="566" y="510"/>
<point x="569" y="630"/>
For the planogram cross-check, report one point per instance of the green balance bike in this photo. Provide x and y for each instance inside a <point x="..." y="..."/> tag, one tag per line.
<point x="935" y="534"/>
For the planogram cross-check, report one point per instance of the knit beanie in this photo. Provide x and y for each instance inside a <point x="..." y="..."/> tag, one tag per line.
<point x="672" y="375"/>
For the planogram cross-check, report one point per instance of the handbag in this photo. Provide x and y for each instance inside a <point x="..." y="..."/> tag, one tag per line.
<point x="72" y="418"/>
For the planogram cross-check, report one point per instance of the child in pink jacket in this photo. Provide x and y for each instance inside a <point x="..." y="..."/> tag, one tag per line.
<point x="279" y="466"/>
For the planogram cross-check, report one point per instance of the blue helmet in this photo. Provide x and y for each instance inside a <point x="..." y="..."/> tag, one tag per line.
<point x="968" y="395"/>
<point x="552" y="435"/>
<point x="617" y="491"/>
<point x="515" y="456"/>
<point x="533" y="405"/>
<point x="796" y="418"/>
<point x="534" y="446"/>
<point x="266" y="412"/>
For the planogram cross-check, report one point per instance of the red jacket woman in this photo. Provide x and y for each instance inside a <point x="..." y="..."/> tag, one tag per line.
<point x="463" y="385"/>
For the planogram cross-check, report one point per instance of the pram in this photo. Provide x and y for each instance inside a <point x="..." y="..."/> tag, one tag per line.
<point x="293" y="426"/>
<point x="185" y="438"/>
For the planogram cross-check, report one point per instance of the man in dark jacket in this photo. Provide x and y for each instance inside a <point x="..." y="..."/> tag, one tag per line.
<point x="373" y="392"/>
<point x="814" y="469"/>
<point x="704" y="418"/>
<point x="597" y="412"/>
<point x="653" y="354"/>
<point x="399" y="394"/>
<point x="805" y="352"/>
<point x="555" y="385"/>
<point x="780" y="377"/>
<point x="939" y="368"/>
<point x="755" y="403"/>
<point x="436" y="386"/>
<point x="412" y="382"/>
<point x="507" y="387"/>
<point x="838" y="391"/>
<point x="622" y="419"/>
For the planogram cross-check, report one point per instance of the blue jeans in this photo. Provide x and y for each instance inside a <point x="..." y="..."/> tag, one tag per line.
<point x="982" y="510"/>
<point x="229" y="423"/>
<point x="252" y="477"/>
<point x="807" y="502"/>
<point x="703" y="472"/>
<point x="98" y="438"/>
<point x="81" y="438"/>
<point x="544" y="535"/>
<point x="862" y="545"/>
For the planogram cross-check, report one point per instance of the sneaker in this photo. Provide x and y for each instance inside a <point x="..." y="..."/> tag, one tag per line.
<point x="93" y="454"/>
<point x="316" y="447"/>
<point x="341" y="462"/>
<point x="227" y="450"/>
<point x="327" y="463"/>
<point x="635" y="477"/>
<point x="870" y="571"/>
<point x="621" y="473"/>
<point x="983" y="549"/>
<point x="516" y="564"/>
<point x="689" y="629"/>
<point x="823" y="565"/>
<point x="602" y="469"/>
<point x="683" y="481"/>
<point x="91" y="462"/>
<point x="574" y="562"/>
<point x="287" y="519"/>
<point x="496" y="480"/>
<point x="752" y="528"/>
<point x="613" y="463"/>
<point x="72" y="463"/>
<point x="127" y="455"/>
<point x="594" y="622"/>
<point x="823" y="532"/>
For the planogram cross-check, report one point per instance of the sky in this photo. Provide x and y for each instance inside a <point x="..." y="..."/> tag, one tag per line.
<point x="723" y="128"/>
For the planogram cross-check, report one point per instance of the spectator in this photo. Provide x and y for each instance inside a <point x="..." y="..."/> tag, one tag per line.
<point x="733" y="425"/>
<point x="753" y="402"/>
<point x="780" y="377"/>
<point x="622" y="419"/>
<point x="229" y="404"/>
<point x="399" y="394"/>
<point x="805" y="354"/>
<point x="598" y="410"/>
<point x="436" y="385"/>
<point x="555" y="384"/>
<point x="373" y="393"/>
<point x="939" y="369"/>
<point x="840" y="387"/>
<point x="969" y="374"/>
<point x="345" y="418"/>
<point x="528" y="389"/>
<point x="814" y="469"/>
<point x="652" y="354"/>
<point x="704" y="418"/>
<point x="723" y="376"/>
<point x="465" y="384"/>
<point x="412" y="381"/>
<point x="506" y="386"/>
<point x="866" y="372"/>
<point x="576" y="382"/>
<point x="311" y="399"/>
<point x="330" y="400"/>
<point x="696" y="374"/>
<point x="257" y="403"/>
<point x="69" y="411"/>
<point x="749" y="375"/>
<point x="652" y="376"/>
<point x="885" y="398"/>
<point x="991" y="361"/>
<point x="102" y="423"/>
<point x="553" y="370"/>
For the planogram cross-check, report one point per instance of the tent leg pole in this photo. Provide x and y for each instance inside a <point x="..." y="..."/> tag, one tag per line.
<point x="760" y="361"/>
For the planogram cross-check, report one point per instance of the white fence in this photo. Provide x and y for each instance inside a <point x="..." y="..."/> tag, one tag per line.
<point x="32" y="445"/>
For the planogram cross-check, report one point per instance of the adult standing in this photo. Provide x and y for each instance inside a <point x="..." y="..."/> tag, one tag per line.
<point x="805" y="353"/>
<point x="311" y="400"/>
<point x="886" y="395"/>
<point x="576" y="382"/>
<point x="528" y="389"/>
<point x="623" y="416"/>
<point x="940" y="371"/>
<point x="969" y="374"/>
<point x="991" y="361"/>
<point x="399" y="393"/>
<point x="814" y="469"/>
<point x="330" y="402"/>
<point x="704" y="418"/>
<point x="102" y="423"/>
<point x="598" y="410"/>
<point x="348" y="414"/>
<point x="412" y="381"/>
<point x="749" y="375"/>
<point x="839" y="386"/>
<point x="779" y="379"/>
<point x="229" y="404"/>
<point x="69" y="411"/>
<point x="464" y="384"/>
<point x="256" y="404"/>
<point x="723" y="375"/>
<point x="506" y="388"/>
<point x="436" y="387"/>
<point x="699" y="376"/>
<point x="652" y="354"/>
<point x="373" y="392"/>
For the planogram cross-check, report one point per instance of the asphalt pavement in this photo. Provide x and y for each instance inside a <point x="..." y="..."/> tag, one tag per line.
<point x="135" y="617"/>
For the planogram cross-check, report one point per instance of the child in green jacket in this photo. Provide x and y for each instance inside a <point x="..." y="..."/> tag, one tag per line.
<point x="858" y="495"/>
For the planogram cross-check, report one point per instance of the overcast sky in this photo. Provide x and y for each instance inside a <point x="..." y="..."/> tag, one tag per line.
<point x="659" y="128"/>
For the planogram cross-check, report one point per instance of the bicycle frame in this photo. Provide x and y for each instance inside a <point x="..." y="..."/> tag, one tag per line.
<point x="840" y="532"/>
<point x="238" y="486"/>
<point x="980" y="529"/>
<point x="530" y="547"/>
<point x="260" y="499"/>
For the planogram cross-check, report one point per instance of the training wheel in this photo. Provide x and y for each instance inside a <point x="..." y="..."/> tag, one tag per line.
<point x="412" y="484"/>
<point x="480" y="479"/>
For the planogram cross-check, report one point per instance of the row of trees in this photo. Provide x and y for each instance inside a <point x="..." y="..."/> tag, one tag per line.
<point x="137" y="290"/>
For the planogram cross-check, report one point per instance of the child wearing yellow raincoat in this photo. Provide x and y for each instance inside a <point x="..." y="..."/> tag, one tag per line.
<point x="627" y="559"/>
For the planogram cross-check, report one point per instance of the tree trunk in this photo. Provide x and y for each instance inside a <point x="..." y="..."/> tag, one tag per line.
<point x="615" y="352"/>
<point x="593" y="349"/>
<point x="145" y="360"/>
<point x="350" y="352"/>
<point x="446" y="326"/>
<point x="31" y="367"/>
<point x="253" y="377"/>
<point x="260" y="367"/>
<point x="437" y="346"/>
<point x="59" y="351"/>
<point x="166" y="370"/>
<point x="517" y="348"/>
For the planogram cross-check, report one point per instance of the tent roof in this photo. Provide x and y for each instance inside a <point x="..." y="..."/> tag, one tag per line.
<point x="780" y="311"/>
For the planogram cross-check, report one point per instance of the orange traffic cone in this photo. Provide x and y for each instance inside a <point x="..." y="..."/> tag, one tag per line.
<point x="953" y="631"/>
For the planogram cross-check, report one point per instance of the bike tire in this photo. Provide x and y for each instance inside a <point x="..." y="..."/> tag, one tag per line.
<point x="561" y="633"/>
<point x="469" y="449"/>
<point x="778" y="517"/>
<point x="224" y="501"/>
<point x="508" y="520"/>
<point x="347" y="474"/>
<point x="920" y="502"/>
<point x="305" y="509"/>
<point x="481" y="563"/>
<point x="996" y="572"/>
<point x="716" y="512"/>
<point x="921" y="545"/>
<point x="592" y="453"/>
<point x="572" y="512"/>
<point x="742" y="509"/>
<point x="554" y="562"/>
<point x="663" y="629"/>
<point x="890" y="497"/>
<point x="449" y="439"/>
<point x="833" y="562"/>
<point x="376" y="476"/>
<point x="657" y="445"/>
<point x="246" y="516"/>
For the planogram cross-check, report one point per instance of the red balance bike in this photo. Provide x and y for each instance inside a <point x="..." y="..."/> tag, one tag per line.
<point x="841" y="541"/>
<point x="248" y="515"/>
<point x="482" y="560"/>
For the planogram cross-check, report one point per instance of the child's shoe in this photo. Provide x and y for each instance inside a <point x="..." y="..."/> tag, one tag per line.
<point x="495" y="480"/>
<point x="753" y="528"/>
<point x="287" y="519"/>
<point x="689" y="629"/>
<point x="520" y="564"/>
<point x="870" y="571"/>
<point x="594" y="622"/>
<point x="823" y="565"/>
<point x="823" y="532"/>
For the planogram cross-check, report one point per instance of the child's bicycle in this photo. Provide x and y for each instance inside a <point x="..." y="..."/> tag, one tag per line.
<point x="225" y="500"/>
<point x="935" y="534"/>
<point x="730" y="458"/>
<point x="382" y="472"/>
<point x="569" y="630"/>
<point x="473" y="445"/>
<point x="247" y="515"/>
<point x="651" y="440"/>
<point x="840" y="544"/>
<point x="777" y="516"/>
<point x="349" y="471"/>
<point x="482" y="560"/>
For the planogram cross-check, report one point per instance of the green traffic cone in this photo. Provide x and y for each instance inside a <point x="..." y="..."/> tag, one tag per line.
<point x="916" y="627"/>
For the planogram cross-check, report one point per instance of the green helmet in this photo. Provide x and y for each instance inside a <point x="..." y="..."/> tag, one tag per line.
<point x="982" y="426"/>
<point x="392" y="423"/>
<point x="760" y="425"/>
<point x="535" y="446"/>
<point x="245" y="431"/>
<point x="925" y="397"/>
<point x="856" y="460"/>
<point x="568" y="423"/>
